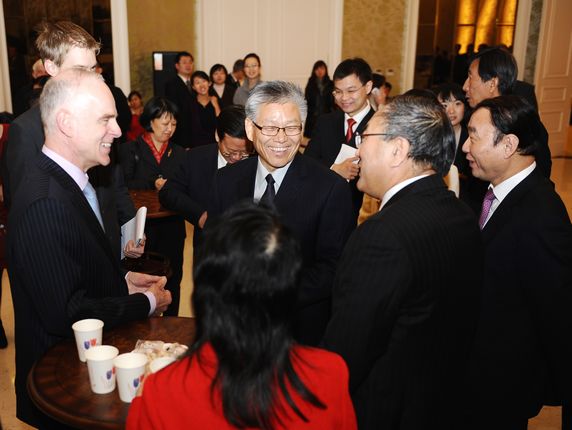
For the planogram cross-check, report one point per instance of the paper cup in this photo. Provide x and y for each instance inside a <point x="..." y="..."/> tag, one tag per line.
<point x="159" y="363"/>
<point x="130" y="371"/>
<point x="101" y="369"/>
<point x="87" y="335"/>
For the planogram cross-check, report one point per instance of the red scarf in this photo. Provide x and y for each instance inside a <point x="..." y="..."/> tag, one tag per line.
<point x="157" y="154"/>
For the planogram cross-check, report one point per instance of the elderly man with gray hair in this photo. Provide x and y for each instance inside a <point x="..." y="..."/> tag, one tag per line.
<point x="406" y="293"/>
<point x="61" y="264"/>
<point x="311" y="200"/>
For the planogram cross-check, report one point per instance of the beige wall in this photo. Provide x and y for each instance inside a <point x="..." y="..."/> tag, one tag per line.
<point x="157" y="26"/>
<point x="373" y="30"/>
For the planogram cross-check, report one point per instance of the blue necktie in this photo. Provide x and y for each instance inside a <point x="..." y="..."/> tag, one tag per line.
<point x="91" y="197"/>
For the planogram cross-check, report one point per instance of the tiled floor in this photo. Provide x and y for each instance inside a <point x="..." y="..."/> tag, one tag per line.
<point x="549" y="418"/>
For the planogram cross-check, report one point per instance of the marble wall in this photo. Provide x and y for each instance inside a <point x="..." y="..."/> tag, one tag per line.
<point x="374" y="30"/>
<point x="157" y="26"/>
<point x="533" y="35"/>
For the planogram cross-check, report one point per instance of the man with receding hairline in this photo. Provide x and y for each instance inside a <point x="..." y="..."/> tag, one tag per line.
<point x="61" y="265"/>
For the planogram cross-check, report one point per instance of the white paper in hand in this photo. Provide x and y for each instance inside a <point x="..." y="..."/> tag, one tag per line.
<point x="346" y="151"/>
<point x="134" y="229"/>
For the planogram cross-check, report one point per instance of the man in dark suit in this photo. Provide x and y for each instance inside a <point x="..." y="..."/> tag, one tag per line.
<point x="522" y="353"/>
<point x="311" y="200"/>
<point x="188" y="191"/>
<point x="178" y="90"/>
<point x="61" y="265"/>
<point x="27" y="136"/>
<point x="406" y="293"/>
<point x="492" y="73"/>
<point x="352" y="85"/>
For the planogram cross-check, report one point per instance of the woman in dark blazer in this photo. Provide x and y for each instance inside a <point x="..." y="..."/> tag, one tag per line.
<point x="148" y="162"/>
<point x="223" y="91"/>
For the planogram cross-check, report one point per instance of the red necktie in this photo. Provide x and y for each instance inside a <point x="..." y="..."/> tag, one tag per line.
<point x="350" y="132"/>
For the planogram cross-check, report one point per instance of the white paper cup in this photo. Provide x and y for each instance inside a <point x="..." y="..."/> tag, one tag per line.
<point x="87" y="335"/>
<point x="130" y="371"/>
<point x="159" y="363"/>
<point x="101" y="369"/>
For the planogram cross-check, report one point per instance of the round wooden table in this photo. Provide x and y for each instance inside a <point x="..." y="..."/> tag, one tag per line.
<point x="59" y="383"/>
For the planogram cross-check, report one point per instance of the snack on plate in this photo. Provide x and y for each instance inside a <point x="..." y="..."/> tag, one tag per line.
<point x="157" y="348"/>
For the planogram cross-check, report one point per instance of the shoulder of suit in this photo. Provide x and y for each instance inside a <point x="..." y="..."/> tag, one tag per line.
<point x="325" y="361"/>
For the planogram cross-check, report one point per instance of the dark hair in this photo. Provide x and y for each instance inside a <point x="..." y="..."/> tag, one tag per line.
<point x="451" y="91"/>
<point x="377" y="80"/>
<point x="387" y="84"/>
<point x="317" y="65"/>
<point x="216" y="68"/>
<point x="134" y="93"/>
<point x="423" y="122"/>
<point x="246" y="279"/>
<point x="251" y="55"/>
<point x="183" y="54"/>
<point x="512" y="114"/>
<point x="497" y="62"/>
<point x="156" y="108"/>
<point x="231" y="121"/>
<point x="421" y="92"/>
<point x="313" y="79"/>
<point x="238" y="65"/>
<point x="353" y="66"/>
<point x="199" y="74"/>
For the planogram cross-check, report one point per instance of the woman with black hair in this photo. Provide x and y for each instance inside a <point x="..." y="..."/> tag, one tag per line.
<point x="245" y="370"/>
<point x="148" y="163"/>
<point x="318" y="94"/>
<point x="223" y="91"/>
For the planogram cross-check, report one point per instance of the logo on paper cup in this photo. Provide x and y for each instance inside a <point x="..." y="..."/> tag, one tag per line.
<point x="89" y="343"/>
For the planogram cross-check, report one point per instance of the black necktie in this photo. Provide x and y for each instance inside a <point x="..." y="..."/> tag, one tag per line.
<point x="267" y="198"/>
<point x="189" y="85"/>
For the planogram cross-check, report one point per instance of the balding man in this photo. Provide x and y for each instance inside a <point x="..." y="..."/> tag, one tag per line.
<point x="62" y="267"/>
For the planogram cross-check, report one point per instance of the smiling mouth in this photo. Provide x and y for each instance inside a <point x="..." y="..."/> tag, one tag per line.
<point x="106" y="145"/>
<point x="279" y="149"/>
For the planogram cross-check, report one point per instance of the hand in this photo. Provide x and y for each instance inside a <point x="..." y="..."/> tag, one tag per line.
<point x="203" y="220"/>
<point x="133" y="251"/>
<point x="159" y="182"/>
<point x="347" y="169"/>
<point x="162" y="297"/>
<point x="141" y="282"/>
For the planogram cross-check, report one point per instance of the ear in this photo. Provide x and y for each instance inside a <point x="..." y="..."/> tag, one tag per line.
<point x="509" y="145"/>
<point x="368" y="86"/>
<point x="399" y="151"/>
<point x="65" y="123"/>
<point x="493" y="84"/>
<point x="51" y="67"/>
<point x="249" y="127"/>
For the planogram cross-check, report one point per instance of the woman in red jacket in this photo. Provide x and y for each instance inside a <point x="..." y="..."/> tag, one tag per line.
<point x="245" y="370"/>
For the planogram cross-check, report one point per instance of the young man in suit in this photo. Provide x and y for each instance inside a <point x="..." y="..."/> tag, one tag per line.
<point x="61" y="265"/>
<point x="406" y="293"/>
<point x="64" y="45"/>
<point x="179" y="91"/>
<point x="492" y="73"/>
<point x="311" y="200"/>
<point x="352" y="85"/>
<point x="188" y="191"/>
<point x="522" y="352"/>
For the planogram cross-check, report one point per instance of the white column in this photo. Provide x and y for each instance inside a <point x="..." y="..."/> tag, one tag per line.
<point x="410" y="44"/>
<point x="5" y="97"/>
<point x="120" y="37"/>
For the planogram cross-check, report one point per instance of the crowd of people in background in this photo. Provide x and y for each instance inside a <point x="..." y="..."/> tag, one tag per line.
<point x="436" y="312"/>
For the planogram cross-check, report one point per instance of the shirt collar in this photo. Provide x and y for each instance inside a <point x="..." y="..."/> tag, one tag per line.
<point x="78" y="175"/>
<point x="358" y="117"/>
<point x="397" y="188"/>
<point x="506" y="186"/>
<point x="221" y="161"/>
<point x="278" y="174"/>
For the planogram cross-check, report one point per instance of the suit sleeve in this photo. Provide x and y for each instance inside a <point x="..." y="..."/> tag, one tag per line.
<point x="130" y="163"/>
<point x="314" y="148"/>
<point x="176" y="195"/>
<point x="334" y="227"/>
<point x="57" y="289"/>
<point x="370" y="284"/>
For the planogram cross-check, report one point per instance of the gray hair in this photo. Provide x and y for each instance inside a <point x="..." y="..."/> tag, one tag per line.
<point x="424" y="123"/>
<point x="275" y="92"/>
<point x="59" y="90"/>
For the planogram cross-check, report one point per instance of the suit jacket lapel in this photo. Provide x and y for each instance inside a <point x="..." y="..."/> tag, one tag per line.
<point x="291" y="183"/>
<point x="79" y="203"/>
<point x="361" y="126"/>
<point x="503" y="212"/>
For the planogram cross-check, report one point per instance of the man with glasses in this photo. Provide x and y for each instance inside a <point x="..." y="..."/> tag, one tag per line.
<point x="352" y="85"/>
<point x="406" y="293"/>
<point x="311" y="200"/>
<point x="188" y="191"/>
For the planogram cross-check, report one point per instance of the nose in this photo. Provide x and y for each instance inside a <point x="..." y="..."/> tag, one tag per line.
<point x="466" y="85"/>
<point x="281" y="136"/>
<point x="114" y="129"/>
<point x="466" y="146"/>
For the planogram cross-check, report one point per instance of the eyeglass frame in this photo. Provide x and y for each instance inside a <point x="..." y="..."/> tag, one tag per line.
<point x="299" y="127"/>
<point x="340" y="93"/>
<point x="358" y="138"/>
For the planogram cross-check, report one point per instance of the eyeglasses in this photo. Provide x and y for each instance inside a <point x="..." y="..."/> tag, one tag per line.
<point x="359" y="138"/>
<point x="270" y="130"/>
<point x="337" y="93"/>
<point x="235" y="155"/>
